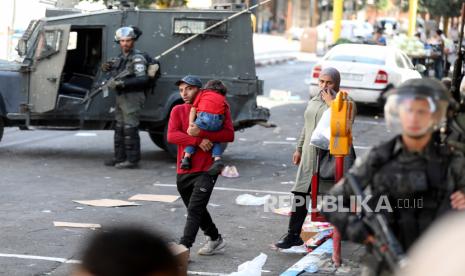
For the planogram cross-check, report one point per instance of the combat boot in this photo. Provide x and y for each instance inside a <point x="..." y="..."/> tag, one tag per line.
<point x="120" y="151"/>
<point x="289" y="240"/>
<point x="132" y="147"/>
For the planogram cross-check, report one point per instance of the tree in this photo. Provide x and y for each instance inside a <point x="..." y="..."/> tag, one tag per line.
<point x="446" y="8"/>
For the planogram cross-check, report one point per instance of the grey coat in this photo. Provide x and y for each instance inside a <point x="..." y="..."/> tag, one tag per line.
<point x="315" y="108"/>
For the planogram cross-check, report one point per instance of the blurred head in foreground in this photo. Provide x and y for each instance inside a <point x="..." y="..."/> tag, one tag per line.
<point x="440" y="250"/>
<point x="127" y="251"/>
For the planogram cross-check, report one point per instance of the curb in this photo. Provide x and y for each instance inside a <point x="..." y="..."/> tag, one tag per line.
<point x="273" y="61"/>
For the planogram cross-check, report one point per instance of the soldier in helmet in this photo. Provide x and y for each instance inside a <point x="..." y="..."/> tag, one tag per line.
<point x="412" y="177"/>
<point x="130" y="97"/>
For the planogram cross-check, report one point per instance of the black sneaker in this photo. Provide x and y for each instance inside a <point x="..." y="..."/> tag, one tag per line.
<point x="216" y="167"/>
<point x="289" y="240"/>
<point x="127" y="165"/>
<point x="186" y="163"/>
<point x="111" y="162"/>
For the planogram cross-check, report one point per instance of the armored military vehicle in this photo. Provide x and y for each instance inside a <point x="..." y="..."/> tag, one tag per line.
<point x="60" y="57"/>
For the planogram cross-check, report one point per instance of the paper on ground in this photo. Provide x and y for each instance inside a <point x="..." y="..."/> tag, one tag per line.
<point x="106" y="202"/>
<point x="311" y="262"/>
<point x="285" y="211"/>
<point x="152" y="197"/>
<point x="75" y="225"/>
<point x="251" y="268"/>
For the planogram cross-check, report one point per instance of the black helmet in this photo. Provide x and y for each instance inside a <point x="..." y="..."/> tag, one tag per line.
<point x="423" y="88"/>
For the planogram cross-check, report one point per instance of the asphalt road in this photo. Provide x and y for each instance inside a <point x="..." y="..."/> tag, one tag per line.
<point x="42" y="172"/>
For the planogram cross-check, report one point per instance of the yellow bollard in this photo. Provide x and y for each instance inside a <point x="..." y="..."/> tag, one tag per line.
<point x="342" y="116"/>
<point x="337" y="18"/>
<point x="412" y="17"/>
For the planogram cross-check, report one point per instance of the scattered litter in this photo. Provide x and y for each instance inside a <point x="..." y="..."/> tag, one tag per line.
<point x="107" y="177"/>
<point x="79" y="208"/>
<point x="277" y="130"/>
<point x="230" y="172"/>
<point x="312" y="261"/>
<point x="316" y="226"/>
<point x="251" y="268"/>
<point x="291" y="139"/>
<point x="241" y="227"/>
<point x="46" y="211"/>
<point x="173" y="210"/>
<point x="76" y="225"/>
<point x="85" y="134"/>
<point x="106" y="203"/>
<point x="302" y="249"/>
<point x="285" y="211"/>
<point x="213" y="205"/>
<point x="242" y="139"/>
<point x="319" y="238"/>
<point x="158" y="198"/>
<point x="376" y="117"/>
<point x="250" y="200"/>
<point x="288" y="183"/>
<point x="284" y="165"/>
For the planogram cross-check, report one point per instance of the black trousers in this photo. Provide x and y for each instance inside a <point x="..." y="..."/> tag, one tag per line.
<point x="300" y="204"/>
<point x="195" y="190"/>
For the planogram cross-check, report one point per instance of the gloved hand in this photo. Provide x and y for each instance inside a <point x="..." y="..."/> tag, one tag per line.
<point x="106" y="66"/>
<point x="115" y="84"/>
<point x="356" y="230"/>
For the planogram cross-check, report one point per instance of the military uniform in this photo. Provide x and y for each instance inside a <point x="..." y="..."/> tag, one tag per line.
<point x="410" y="188"/>
<point x="130" y="98"/>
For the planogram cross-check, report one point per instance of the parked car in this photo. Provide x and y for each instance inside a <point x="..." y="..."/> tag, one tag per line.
<point x="352" y="30"/>
<point x="367" y="71"/>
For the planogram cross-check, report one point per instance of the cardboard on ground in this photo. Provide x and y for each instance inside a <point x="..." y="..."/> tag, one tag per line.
<point x="152" y="197"/>
<point x="106" y="203"/>
<point x="75" y="225"/>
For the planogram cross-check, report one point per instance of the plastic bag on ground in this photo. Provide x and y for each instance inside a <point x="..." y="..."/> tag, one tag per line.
<point x="322" y="133"/>
<point x="250" y="200"/>
<point x="251" y="268"/>
<point x="230" y="172"/>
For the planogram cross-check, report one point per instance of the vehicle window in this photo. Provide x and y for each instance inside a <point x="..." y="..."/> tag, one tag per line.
<point x="182" y="26"/>
<point x="72" y="43"/>
<point x="49" y="43"/>
<point x="399" y="61"/>
<point x="358" y="59"/>
<point x="407" y="61"/>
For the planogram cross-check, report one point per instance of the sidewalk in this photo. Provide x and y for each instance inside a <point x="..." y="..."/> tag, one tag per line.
<point x="274" y="49"/>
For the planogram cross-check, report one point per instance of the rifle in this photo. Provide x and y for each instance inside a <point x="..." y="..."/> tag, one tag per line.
<point x="386" y="246"/>
<point x="103" y="86"/>
<point x="458" y="65"/>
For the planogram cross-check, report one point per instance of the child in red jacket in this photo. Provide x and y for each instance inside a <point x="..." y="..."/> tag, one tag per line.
<point x="207" y="112"/>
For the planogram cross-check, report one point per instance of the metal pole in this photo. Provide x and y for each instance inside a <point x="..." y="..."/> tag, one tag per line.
<point x="338" y="7"/>
<point x="210" y="28"/>
<point x="412" y="17"/>
<point x="336" y="235"/>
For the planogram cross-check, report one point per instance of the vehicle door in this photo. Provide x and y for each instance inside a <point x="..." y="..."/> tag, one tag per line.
<point x="49" y="59"/>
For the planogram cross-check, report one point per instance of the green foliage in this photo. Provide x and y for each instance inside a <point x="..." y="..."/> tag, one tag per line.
<point x="449" y="8"/>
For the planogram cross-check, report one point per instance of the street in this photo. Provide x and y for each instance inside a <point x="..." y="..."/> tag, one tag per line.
<point x="42" y="172"/>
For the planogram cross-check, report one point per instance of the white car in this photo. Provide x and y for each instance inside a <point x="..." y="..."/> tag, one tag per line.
<point x="366" y="70"/>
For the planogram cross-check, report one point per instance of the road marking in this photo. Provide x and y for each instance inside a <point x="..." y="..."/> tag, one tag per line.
<point x="70" y="261"/>
<point x="370" y="122"/>
<point x="232" y="189"/>
<point x="294" y="143"/>
<point x="42" y="258"/>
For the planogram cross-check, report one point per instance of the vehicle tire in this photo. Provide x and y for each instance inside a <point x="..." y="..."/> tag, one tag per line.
<point x="160" y="139"/>
<point x="2" y="127"/>
<point x="157" y="139"/>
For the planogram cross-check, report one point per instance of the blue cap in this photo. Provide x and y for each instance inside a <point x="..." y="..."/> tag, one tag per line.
<point x="191" y="80"/>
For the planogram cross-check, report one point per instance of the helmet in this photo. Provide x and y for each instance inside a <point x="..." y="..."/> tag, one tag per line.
<point x="417" y="97"/>
<point x="127" y="32"/>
